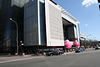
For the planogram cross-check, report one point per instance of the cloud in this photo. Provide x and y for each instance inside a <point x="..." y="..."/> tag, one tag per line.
<point x="89" y="2"/>
<point x="86" y="25"/>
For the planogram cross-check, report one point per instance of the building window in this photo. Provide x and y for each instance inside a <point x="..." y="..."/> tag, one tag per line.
<point x="0" y="4"/>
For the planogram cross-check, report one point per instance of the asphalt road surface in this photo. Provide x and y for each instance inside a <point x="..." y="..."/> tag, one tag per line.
<point x="83" y="59"/>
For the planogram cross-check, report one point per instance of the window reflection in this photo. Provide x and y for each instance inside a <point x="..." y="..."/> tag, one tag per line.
<point x="19" y="3"/>
<point x="0" y="4"/>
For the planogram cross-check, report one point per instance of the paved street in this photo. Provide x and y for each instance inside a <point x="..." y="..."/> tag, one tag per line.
<point x="84" y="59"/>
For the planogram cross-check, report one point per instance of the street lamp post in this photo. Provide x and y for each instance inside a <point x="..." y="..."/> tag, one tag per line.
<point x="16" y="32"/>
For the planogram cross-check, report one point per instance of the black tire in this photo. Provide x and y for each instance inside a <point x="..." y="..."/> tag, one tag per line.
<point x="51" y="54"/>
<point x="59" y="53"/>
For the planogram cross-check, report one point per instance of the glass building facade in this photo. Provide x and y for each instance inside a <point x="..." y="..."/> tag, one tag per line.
<point x="34" y="23"/>
<point x="12" y="9"/>
<point x="5" y="13"/>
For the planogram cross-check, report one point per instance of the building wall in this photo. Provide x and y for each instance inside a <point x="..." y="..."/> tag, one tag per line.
<point x="42" y="24"/>
<point x="71" y="35"/>
<point x="54" y="28"/>
<point x="5" y="13"/>
<point x="46" y="24"/>
<point x="17" y="14"/>
<point x="31" y="23"/>
<point x="34" y="21"/>
<point x="0" y="4"/>
<point x="19" y="3"/>
<point x="72" y="20"/>
<point x="12" y="9"/>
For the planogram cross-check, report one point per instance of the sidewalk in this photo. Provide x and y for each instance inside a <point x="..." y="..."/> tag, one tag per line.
<point x="17" y="58"/>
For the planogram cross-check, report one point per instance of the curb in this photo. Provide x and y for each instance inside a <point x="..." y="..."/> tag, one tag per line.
<point x="68" y="53"/>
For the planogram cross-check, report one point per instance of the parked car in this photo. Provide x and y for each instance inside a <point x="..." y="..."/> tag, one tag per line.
<point x="72" y="49"/>
<point x="80" y="49"/>
<point x="97" y="48"/>
<point x="54" y="52"/>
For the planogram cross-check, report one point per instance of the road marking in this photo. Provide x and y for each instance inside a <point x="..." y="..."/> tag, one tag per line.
<point x="20" y="59"/>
